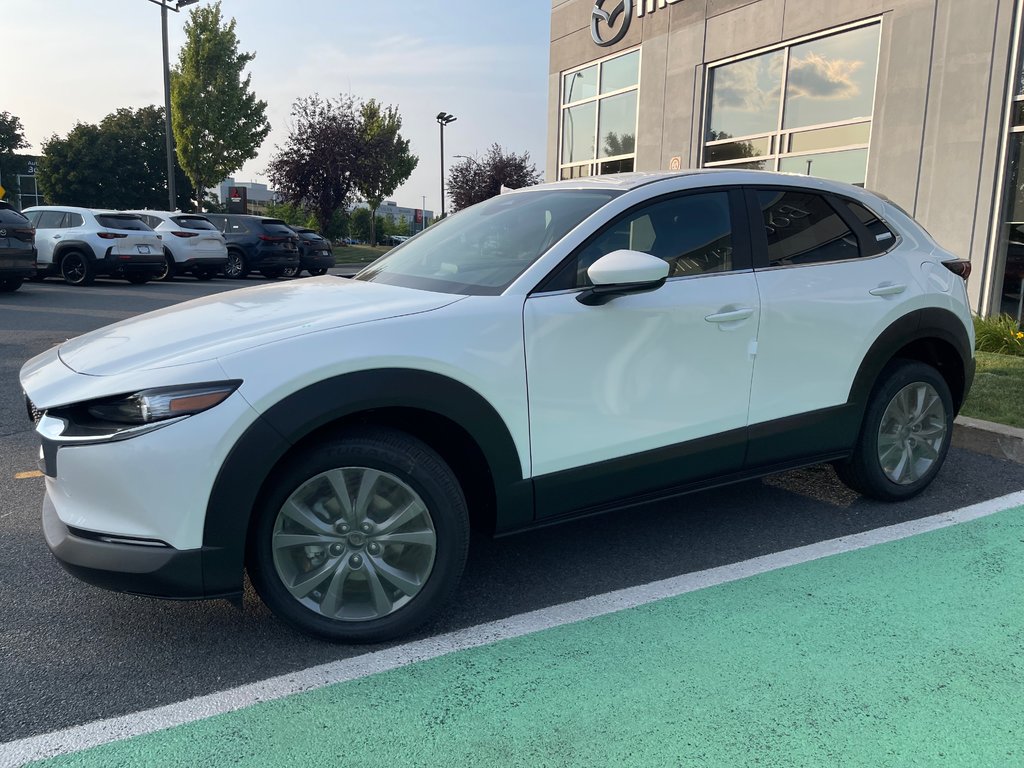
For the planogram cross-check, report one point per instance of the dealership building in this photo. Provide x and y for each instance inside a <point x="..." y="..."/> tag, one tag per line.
<point x="920" y="100"/>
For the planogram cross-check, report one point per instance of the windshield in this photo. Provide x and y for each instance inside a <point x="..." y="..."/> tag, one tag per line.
<point x="481" y="250"/>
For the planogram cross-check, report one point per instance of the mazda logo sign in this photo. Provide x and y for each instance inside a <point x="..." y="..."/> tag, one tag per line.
<point x="608" y="26"/>
<point x="3" y="233"/>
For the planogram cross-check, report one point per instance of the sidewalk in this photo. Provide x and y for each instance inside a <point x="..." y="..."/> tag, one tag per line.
<point x="905" y="653"/>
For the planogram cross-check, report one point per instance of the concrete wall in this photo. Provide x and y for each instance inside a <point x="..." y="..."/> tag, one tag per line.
<point x="939" y="106"/>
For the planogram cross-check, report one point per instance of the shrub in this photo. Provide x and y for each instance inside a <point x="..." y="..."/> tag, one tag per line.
<point x="999" y="334"/>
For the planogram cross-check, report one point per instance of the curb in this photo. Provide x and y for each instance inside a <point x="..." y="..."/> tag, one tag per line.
<point x="989" y="438"/>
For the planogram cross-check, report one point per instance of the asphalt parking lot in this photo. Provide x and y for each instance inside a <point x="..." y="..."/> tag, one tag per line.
<point x="71" y="654"/>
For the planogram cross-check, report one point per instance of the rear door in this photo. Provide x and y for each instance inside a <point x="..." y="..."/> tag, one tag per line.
<point x="828" y="288"/>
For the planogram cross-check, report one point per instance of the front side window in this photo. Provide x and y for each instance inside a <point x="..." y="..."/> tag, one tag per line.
<point x="805" y="108"/>
<point x="693" y="233"/>
<point x="598" y="117"/>
<point x="803" y="228"/>
<point x="482" y="249"/>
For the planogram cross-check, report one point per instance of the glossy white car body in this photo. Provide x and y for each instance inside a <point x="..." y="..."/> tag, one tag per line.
<point x="573" y="408"/>
<point x="192" y="249"/>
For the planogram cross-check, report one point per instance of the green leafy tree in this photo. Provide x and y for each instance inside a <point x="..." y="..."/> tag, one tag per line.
<point x="292" y="214"/>
<point x="120" y="163"/>
<point x="359" y="224"/>
<point x="318" y="165"/>
<point x="219" y="123"/>
<point x="473" y="181"/>
<point x="385" y="160"/>
<point x="12" y="138"/>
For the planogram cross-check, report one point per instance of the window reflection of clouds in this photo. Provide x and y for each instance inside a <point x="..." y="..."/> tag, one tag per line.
<point x="745" y="96"/>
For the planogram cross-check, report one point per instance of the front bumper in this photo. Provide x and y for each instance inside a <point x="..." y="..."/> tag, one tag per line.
<point x="147" y="568"/>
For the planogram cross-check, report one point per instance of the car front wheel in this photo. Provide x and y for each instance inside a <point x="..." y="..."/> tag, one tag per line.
<point x="905" y="435"/>
<point x="361" y="538"/>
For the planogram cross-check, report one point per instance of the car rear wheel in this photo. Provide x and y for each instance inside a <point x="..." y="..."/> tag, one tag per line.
<point x="76" y="269"/>
<point x="169" y="269"/>
<point x="10" y="284"/>
<point x="291" y="272"/>
<point x="905" y="435"/>
<point x="236" y="267"/>
<point x="360" y="538"/>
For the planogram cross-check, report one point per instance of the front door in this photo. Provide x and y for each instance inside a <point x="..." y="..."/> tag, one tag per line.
<point x="649" y="391"/>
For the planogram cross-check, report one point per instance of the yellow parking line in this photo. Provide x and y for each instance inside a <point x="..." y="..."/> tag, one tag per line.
<point x="26" y="475"/>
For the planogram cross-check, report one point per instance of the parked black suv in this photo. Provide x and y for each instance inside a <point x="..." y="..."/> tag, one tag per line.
<point x="256" y="243"/>
<point x="17" y="248"/>
<point x="315" y="253"/>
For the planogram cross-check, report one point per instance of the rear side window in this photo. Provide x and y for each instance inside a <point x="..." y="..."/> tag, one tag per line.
<point x="276" y="227"/>
<point x="234" y="227"/>
<point x="881" y="238"/>
<point x="193" y="222"/>
<point x="122" y="221"/>
<point x="74" y="220"/>
<point x="803" y="228"/>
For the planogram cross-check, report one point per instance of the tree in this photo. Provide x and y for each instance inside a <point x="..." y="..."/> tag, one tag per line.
<point x="218" y="121"/>
<point x="360" y="226"/>
<point x="473" y="181"/>
<point x="12" y="134"/>
<point x="319" y="164"/>
<point x="120" y="163"/>
<point x="291" y="214"/>
<point x="385" y="160"/>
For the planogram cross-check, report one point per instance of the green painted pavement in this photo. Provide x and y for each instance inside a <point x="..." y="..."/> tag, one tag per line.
<point x="907" y="653"/>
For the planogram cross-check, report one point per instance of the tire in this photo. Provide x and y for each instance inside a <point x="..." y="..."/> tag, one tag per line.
<point x="236" y="267"/>
<point x="10" y="284"/>
<point x="355" y="594"/>
<point x="291" y="272"/>
<point x="76" y="269"/>
<point x="138" y="279"/>
<point x="272" y="273"/>
<point x="316" y="272"/>
<point x="169" y="270"/>
<point x="905" y="435"/>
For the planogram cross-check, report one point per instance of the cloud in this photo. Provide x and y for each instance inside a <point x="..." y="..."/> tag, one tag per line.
<point x="819" y="77"/>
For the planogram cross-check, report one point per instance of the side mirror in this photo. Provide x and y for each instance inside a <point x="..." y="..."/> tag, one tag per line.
<point x="623" y="272"/>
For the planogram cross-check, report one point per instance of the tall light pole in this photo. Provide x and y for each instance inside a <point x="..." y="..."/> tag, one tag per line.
<point x="443" y="119"/>
<point x="172" y="196"/>
<point x="423" y="214"/>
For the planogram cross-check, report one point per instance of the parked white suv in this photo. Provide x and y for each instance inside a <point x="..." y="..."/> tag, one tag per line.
<point x="191" y="243"/>
<point x="80" y="244"/>
<point x="550" y="353"/>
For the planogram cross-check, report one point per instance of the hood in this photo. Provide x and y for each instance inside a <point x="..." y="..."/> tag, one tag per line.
<point x="208" y="328"/>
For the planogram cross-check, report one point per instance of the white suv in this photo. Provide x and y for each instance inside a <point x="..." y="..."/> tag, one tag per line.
<point x="80" y="244"/>
<point x="191" y="243"/>
<point x="550" y="353"/>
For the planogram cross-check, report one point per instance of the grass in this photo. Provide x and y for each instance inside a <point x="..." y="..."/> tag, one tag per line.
<point x="999" y="334"/>
<point x="359" y="254"/>
<point x="998" y="391"/>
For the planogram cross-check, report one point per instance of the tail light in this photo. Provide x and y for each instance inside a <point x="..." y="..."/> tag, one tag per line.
<point x="185" y="234"/>
<point x="110" y="235"/>
<point x="959" y="267"/>
<point x="269" y="239"/>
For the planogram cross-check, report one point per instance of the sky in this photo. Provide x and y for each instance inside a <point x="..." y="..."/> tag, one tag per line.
<point x="484" y="61"/>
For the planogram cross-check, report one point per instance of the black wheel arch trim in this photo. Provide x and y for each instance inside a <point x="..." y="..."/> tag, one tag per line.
<point x="918" y="325"/>
<point x="253" y="457"/>
<point x="73" y="245"/>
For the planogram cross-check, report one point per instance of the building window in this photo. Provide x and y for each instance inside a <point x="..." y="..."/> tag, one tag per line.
<point x="1011" y="241"/>
<point x="805" y="108"/>
<point x="598" y="117"/>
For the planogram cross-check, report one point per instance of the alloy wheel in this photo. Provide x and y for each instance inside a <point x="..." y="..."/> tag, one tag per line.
<point x="912" y="433"/>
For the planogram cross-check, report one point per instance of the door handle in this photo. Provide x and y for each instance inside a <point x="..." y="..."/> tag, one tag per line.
<point x="888" y="289"/>
<point x="56" y="237"/>
<point x="731" y="316"/>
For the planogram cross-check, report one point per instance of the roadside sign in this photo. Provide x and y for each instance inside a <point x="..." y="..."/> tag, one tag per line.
<point x="2" y="191"/>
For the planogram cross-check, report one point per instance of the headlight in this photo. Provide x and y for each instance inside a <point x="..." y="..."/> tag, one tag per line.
<point x="152" y="405"/>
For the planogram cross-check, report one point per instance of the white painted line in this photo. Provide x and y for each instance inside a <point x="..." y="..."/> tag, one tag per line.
<point x="94" y="734"/>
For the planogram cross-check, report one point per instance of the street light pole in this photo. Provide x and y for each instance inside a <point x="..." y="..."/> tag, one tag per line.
<point x="172" y="197"/>
<point x="443" y="119"/>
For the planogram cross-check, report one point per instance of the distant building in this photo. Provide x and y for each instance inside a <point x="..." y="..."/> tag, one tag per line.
<point x="258" y="195"/>
<point x="18" y="177"/>
<point x="416" y="218"/>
